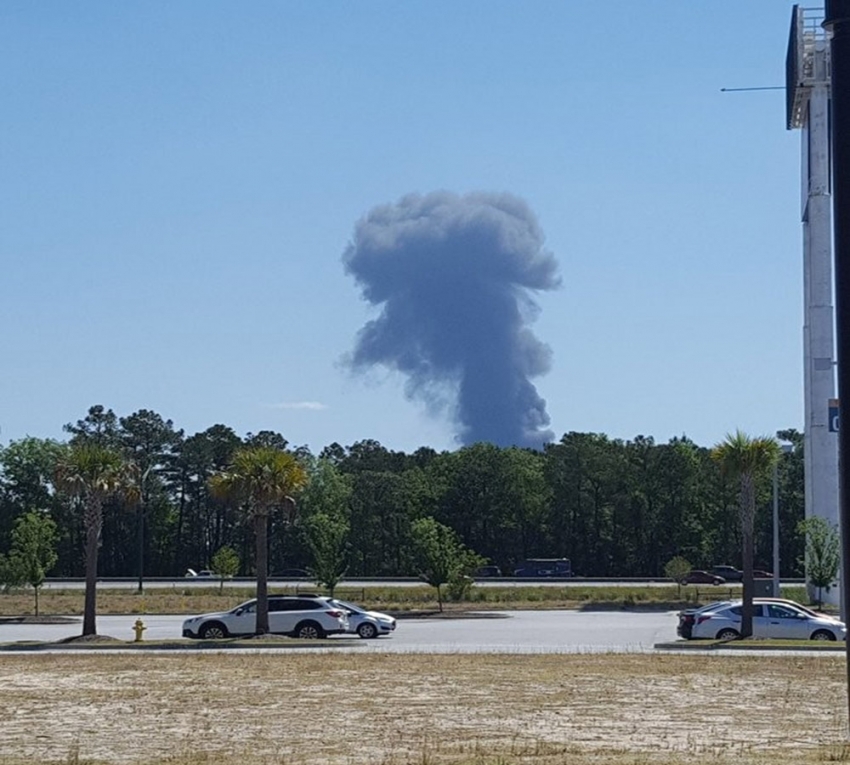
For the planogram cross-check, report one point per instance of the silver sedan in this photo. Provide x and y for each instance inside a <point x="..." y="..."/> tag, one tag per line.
<point x="770" y="620"/>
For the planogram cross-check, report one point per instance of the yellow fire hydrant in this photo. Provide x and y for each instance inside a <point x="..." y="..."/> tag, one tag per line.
<point x="139" y="628"/>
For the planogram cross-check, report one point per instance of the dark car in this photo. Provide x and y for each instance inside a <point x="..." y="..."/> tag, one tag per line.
<point x="291" y="573"/>
<point x="545" y="567"/>
<point x="701" y="577"/>
<point x="488" y="571"/>
<point x="729" y="573"/>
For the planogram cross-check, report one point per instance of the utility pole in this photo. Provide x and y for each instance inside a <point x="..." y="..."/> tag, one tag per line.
<point x="837" y="22"/>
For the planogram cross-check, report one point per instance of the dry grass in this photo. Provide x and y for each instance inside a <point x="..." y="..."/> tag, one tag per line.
<point x="411" y="709"/>
<point x="196" y="600"/>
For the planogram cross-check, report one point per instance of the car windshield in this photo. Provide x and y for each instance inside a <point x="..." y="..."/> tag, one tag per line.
<point x="245" y="607"/>
<point x="348" y="606"/>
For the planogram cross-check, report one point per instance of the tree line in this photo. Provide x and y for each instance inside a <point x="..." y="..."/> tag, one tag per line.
<point x="613" y="507"/>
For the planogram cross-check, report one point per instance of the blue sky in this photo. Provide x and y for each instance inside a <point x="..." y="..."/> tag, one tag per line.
<point x="180" y="181"/>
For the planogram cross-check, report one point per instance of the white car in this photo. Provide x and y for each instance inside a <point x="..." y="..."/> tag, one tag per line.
<point x="204" y="572"/>
<point x="367" y="624"/>
<point x="299" y="616"/>
<point x="770" y="620"/>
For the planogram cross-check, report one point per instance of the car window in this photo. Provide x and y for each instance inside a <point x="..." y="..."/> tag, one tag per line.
<point x="298" y="604"/>
<point x="781" y="612"/>
<point x="249" y="608"/>
<point x="739" y="610"/>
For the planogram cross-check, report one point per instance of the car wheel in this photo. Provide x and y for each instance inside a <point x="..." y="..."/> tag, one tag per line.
<point x="728" y="634"/>
<point x="683" y="582"/>
<point x="823" y="635"/>
<point x="213" y="631"/>
<point x="309" y="631"/>
<point x="367" y="630"/>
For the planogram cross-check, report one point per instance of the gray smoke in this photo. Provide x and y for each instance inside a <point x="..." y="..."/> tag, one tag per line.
<point x="453" y="276"/>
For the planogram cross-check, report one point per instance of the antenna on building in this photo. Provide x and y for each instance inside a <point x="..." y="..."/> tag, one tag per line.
<point x="741" y="90"/>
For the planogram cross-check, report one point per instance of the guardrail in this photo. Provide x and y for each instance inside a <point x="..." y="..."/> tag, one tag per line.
<point x="576" y="581"/>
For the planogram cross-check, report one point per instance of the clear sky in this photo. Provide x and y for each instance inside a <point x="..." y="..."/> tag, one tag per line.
<point x="180" y="181"/>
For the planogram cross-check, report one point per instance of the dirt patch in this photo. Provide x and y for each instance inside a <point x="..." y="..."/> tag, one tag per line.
<point x="89" y="639"/>
<point x="397" y="709"/>
<point x="26" y="619"/>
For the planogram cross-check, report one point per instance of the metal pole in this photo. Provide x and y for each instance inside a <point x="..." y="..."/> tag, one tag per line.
<point x="837" y="20"/>
<point x="140" y="538"/>
<point x="776" y="529"/>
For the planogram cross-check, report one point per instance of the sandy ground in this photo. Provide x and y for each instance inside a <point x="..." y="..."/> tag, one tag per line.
<point x="388" y="709"/>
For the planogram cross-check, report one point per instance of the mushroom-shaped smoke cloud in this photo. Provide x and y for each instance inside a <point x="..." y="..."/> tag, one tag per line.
<point x="453" y="276"/>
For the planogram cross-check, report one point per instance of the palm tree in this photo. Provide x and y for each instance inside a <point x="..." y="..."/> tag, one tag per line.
<point x="746" y="459"/>
<point x="261" y="479"/>
<point x="91" y="474"/>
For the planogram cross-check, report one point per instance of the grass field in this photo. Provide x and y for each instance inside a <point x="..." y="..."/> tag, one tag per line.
<point x="196" y="600"/>
<point x="306" y="709"/>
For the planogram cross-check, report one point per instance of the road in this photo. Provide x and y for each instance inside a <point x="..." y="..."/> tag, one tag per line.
<point x="502" y="632"/>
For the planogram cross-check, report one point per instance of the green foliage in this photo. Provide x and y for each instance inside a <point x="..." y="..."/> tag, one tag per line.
<point x="441" y="556"/>
<point x="261" y="479"/>
<point x="746" y="460"/>
<point x="459" y="587"/>
<point x="324" y="521"/>
<point x="90" y="473"/>
<point x="11" y="575"/>
<point x="225" y="564"/>
<point x="327" y="536"/>
<point x="33" y="551"/>
<point x="614" y="507"/>
<point x="823" y="552"/>
<point x="676" y="568"/>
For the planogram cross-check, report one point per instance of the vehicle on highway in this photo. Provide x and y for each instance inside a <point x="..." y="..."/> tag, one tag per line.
<point x="770" y="620"/>
<point x="729" y="573"/>
<point x="545" y="567"/>
<point x="291" y="573"/>
<point x="488" y="571"/>
<point x="697" y="576"/>
<point x="366" y="624"/>
<point x="204" y="572"/>
<point x="297" y="616"/>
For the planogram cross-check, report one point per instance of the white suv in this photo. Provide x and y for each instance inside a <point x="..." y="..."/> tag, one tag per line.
<point x="295" y="615"/>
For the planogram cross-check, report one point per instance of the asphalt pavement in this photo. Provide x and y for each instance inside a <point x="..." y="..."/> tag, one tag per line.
<point x="558" y="631"/>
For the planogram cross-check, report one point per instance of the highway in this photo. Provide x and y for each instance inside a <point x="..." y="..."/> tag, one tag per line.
<point x="243" y="582"/>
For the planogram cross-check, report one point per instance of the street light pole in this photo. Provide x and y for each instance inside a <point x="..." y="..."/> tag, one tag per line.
<point x="140" y="528"/>
<point x="786" y="448"/>
<point x="776" y="529"/>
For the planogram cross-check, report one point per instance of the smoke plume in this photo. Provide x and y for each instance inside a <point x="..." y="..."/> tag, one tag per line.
<point x="453" y="276"/>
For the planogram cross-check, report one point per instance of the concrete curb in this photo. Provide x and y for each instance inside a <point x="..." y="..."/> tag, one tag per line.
<point x="737" y="645"/>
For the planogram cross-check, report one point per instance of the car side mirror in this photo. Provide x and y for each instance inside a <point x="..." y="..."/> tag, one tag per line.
<point x="239" y="611"/>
